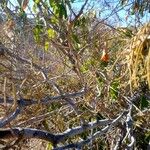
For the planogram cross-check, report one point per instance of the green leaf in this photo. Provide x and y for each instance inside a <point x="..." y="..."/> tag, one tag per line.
<point x="52" y="3"/>
<point x="37" y="1"/>
<point x="77" y="23"/>
<point x="59" y="9"/>
<point x="144" y="103"/>
<point x="22" y="14"/>
<point x="83" y="20"/>
<point x="34" y="8"/>
<point x="46" y="125"/>
<point x="38" y="29"/>
<point x="114" y="87"/>
<point x="62" y="11"/>
<point x="49" y="146"/>
<point x="85" y="67"/>
<point x="36" y="34"/>
<point x="54" y="20"/>
<point x="51" y="33"/>
<point x="46" y="46"/>
<point x="75" y="38"/>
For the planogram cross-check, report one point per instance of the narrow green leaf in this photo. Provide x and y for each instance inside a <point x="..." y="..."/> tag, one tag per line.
<point x="49" y="146"/>
<point x="75" y="38"/>
<point x="62" y="11"/>
<point x="114" y="90"/>
<point x="46" y="46"/>
<point x="144" y="103"/>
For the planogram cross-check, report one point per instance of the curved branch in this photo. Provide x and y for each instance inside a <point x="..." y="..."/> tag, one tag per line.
<point x="27" y="102"/>
<point x="56" y="138"/>
<point x="81" y="11"/>
<point x="9" y="118"/>
<point x="83" y="128"/>
<point x="53" y="138"/>
<point x="27" y="133"/>
<point x="96" y="135"/>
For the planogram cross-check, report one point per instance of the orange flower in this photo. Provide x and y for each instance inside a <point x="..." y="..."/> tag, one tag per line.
<point x="105" y="56"/>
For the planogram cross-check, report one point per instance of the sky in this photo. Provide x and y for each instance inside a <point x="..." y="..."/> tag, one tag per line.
<point x="76" y="4"/>
<point x="125" y="19"/>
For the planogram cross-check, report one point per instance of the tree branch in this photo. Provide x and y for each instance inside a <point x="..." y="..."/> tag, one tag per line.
<point x="97" y="134"/>
<point x="9" y="118"/>
<point x="48" y="99"/>
<point x="54" y="138"/>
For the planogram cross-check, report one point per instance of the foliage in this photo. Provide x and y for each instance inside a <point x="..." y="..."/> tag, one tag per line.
<point x="76" y="77"/>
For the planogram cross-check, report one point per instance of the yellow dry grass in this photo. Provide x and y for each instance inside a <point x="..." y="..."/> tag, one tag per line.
<point x="139" y="57"/>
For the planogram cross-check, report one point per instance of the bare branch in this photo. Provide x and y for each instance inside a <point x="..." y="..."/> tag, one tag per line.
<point x="96" y="135"/>
<point x="81" y="11"/>
<point x="48" y="99"/>
<point x="9" y="118"/>
<point x="27" y="133"/>
<point x="54" y="138"/>
<point x="129" y="128"/>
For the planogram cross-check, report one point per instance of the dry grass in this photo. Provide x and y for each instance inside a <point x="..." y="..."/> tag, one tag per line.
<point x="139" y="57"/>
